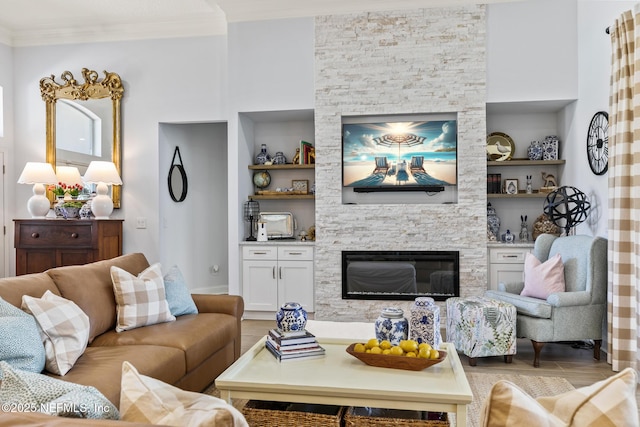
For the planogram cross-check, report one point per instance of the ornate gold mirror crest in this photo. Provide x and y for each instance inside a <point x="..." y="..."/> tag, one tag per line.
<point x="110" y="87"/>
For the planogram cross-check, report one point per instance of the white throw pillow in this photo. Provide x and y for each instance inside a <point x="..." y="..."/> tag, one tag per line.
<point x="140" y="300"/>
<point x="64" y="329"/>
<point x="148" y="400"/>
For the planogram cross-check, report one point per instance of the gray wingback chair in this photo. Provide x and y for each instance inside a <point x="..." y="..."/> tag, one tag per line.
<point x="576" y="314"/>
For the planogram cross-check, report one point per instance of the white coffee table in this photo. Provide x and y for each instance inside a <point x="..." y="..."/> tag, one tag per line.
<point x="341" y="379"/>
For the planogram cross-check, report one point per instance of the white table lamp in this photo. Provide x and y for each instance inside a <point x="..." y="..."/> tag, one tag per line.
<point x="38" y="174"/>
<point x="103" y="174"/>
<point x="70" y="176"/>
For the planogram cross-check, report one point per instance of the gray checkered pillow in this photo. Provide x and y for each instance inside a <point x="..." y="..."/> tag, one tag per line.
<point x="140" y="300"/>
<point x="64" y="329"/>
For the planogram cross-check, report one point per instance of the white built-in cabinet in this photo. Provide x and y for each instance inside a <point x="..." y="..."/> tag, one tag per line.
<point x="506" y="263"/>
<point x="273" y="274"/>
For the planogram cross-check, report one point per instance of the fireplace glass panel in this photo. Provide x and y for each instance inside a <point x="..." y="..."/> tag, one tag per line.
<point x="400" y="275"/>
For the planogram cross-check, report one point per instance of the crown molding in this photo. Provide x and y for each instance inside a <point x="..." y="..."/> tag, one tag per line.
<point x="198" y="27"/>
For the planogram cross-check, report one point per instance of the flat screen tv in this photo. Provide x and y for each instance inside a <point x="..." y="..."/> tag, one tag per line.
<point x="399" y="155"/>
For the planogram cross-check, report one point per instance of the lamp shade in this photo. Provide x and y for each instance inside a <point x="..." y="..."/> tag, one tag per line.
<point x="99" y="171"/>
<point x="37" y="173"/>
<point x="68" y="175"/>
<point x="103" y="174"/>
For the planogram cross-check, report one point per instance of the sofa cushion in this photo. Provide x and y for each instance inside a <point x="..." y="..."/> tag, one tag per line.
<point x="197" y="336"/>
<point x="140" y="299"/>
<point x="35" y="392"/>
<point x="35" y="285"/>
<point x="64" y="329"/>
<point x="145" y="399"/>
<point x="101" y="367"/>
<point x="607" y="403"/>
<point x="21" y="343"/>
<point x="91" y="288"/>
<point x="534" y="307"/>
<point x="177" y="292"/>
<point x="542" y="279"/>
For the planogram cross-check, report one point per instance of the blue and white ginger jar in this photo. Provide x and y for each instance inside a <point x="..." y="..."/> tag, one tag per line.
<point x="424" y="322"/>
<point x="391" y="325"/>
<point x="291" y="317"/>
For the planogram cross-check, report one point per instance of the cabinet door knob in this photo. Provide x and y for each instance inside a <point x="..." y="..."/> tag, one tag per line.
<point x="35" y="235"/>
<point x="74" y="235"/>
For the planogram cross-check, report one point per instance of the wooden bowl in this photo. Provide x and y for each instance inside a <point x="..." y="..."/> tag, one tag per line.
<point x="396" y="362"/>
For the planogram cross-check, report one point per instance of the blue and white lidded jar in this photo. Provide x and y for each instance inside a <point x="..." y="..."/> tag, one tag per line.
<point x="424" y="322"/>
<point x="391" y="325"/>
<point x="263" y="157"/>
<point x="291" y="317"/>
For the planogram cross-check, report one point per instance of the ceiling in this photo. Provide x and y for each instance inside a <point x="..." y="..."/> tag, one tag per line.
<point x="43" y="22"/>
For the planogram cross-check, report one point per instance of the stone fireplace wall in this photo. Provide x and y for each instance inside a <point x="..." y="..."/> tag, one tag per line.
<point x="385" y="63"/>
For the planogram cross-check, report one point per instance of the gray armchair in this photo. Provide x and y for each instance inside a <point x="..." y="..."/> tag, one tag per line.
<point x="578" y="313"/>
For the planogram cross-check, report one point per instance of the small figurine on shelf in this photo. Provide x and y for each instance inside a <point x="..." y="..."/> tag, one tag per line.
<point x="529" y="187"/>
<point x="296" y="157"/>
<point x="524" y="231"/>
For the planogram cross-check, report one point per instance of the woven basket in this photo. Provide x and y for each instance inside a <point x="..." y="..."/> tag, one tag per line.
<point x="374" y="417"/>
<point x="282" y="414"/>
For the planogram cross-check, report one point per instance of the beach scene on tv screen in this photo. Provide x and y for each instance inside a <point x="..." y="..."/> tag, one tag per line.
<point x="400" y="153"/>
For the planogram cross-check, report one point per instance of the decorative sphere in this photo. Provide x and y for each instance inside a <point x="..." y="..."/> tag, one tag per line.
<point x="261" y="179"/>
<point x="567" y="207"/>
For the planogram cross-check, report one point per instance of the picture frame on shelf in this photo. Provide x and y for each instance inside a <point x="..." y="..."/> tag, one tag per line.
<point x="510" y="186"/>
<point x="300" y="185"/>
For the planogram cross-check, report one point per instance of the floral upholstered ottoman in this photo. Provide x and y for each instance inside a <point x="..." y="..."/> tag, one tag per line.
<point x="481" y="327"/>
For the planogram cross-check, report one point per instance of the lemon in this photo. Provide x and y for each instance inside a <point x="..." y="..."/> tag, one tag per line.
<point x="434" y="354"/>
<point x="373" y="342"/>
<point x="409" y="345"/>
<point x="386" y="351"/>
<point x="424" y="352"/>
<point x="425" y="345"/>
<point x="411" y="354"/>
<point x="385" y="344"/>
<point x="376" y="350"/>
<point x="359" y="348"/>
<point x="396" y="350"/>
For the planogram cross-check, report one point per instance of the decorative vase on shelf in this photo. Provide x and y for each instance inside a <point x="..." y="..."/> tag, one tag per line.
<point x="493" y="220"/>
<point x="279" y="158"/>
<point x="57" y="208"/>
<point x="534" y="152"/>
<point x="424" y="322"/>
<point x="291" y="317"/>
<point x="85" y="210"/>
<point x="263" y="157"/>
<point x="391" y="325"/>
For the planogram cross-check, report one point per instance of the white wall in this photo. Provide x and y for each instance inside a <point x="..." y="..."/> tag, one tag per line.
<point x="6" y="146"/>
<point x="271" y="66"/>
<point x="198" y="225"/>
<point x="594" y="55"/>
<point x="168" y="80"/>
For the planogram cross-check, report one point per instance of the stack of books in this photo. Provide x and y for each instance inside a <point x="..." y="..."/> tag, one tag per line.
<point x="293" y="345"/>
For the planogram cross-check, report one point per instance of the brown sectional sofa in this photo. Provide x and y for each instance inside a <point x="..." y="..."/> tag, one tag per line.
<point x="188" y="353"/>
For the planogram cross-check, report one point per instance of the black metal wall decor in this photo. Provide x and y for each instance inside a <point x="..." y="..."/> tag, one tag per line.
<point x="177" y="179"/>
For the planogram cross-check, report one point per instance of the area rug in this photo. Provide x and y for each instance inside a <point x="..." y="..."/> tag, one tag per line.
<point x="480" y="387"/>
<point x="534" y="386"/>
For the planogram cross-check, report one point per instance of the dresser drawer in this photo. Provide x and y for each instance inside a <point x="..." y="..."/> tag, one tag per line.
<point x="291" y="253"/>
<point x="69" y="234"/>
<point x="508" y="255"/>
<point x="260" y="252"/>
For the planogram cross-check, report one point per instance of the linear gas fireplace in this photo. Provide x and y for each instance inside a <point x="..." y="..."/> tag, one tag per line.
<point x="400" y="275"/>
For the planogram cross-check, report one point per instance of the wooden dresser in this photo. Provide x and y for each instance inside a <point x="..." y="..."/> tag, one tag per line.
<point x="42" y="244"/>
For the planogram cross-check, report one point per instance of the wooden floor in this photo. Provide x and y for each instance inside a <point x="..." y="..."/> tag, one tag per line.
<point x="577" y="365"/>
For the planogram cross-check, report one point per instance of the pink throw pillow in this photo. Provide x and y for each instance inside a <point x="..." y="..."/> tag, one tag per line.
<point x="543" y="279"/>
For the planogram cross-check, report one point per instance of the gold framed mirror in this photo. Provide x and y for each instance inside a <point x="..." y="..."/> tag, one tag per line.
<point x="89" y="118"/>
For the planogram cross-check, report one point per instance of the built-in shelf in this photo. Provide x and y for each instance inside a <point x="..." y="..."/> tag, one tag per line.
<point x="286" y="166"/>
<point x="538" y="195"/>
<point x="525" y="162"/>
<point x="282" y="196"/>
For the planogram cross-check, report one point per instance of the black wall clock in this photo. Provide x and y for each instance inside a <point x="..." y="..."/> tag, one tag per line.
<point x="598" y="143"/>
